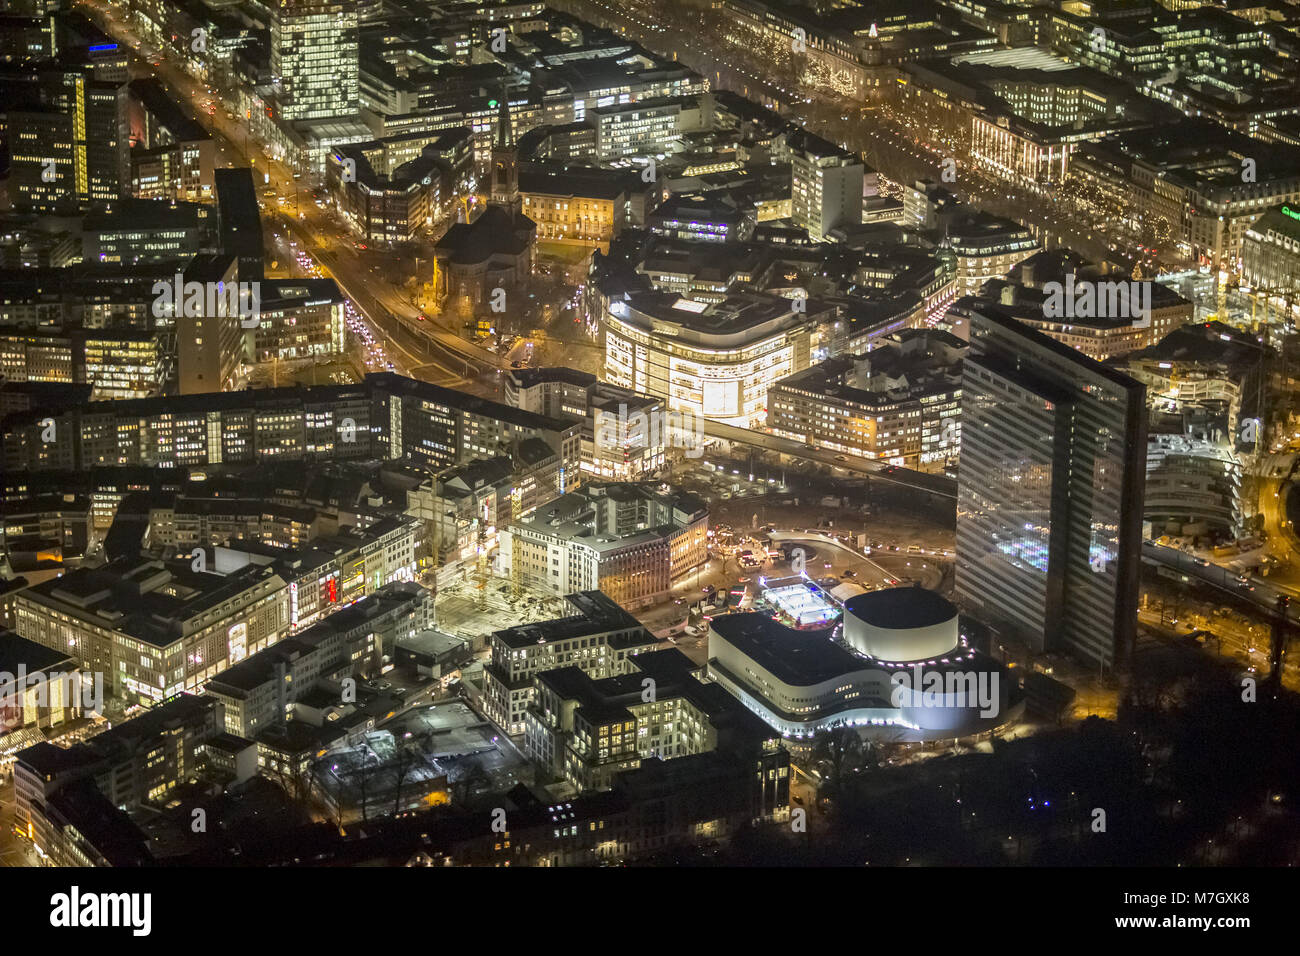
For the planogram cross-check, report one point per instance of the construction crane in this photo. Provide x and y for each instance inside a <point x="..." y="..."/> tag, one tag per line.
<point x="1287" y="296"/>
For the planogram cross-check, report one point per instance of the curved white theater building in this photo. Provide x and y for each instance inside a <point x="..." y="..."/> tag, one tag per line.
<point x="715" y="359"/>
<point x="908" y="671"/>
<point x="901" y="624"/>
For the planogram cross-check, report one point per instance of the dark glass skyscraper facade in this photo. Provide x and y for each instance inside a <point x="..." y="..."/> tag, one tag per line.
<point x="1049" y="504"/>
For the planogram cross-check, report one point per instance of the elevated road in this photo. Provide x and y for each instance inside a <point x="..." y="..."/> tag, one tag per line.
<point x="422" y="350"/>
<point x="1256" y="591"/>
<point x="939" y="485"/>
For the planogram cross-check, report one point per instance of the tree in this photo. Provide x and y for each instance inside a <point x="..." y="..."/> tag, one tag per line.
<point x="362" y="775"/>
<point x="402" y="764"/>
<point x="838" y="756"/>
<point x="467" y="784"/>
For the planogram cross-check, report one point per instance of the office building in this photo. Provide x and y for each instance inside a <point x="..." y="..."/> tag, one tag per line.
<point x="1270" y="257"/>
<point x="259" y="693"/>
<point x="586" y="731"/>
<point x="172" y="156"/>
<point x="1193" y="487"/>
<point x="388" y="417"/>
<point x="119" y="364"/>
<point x="155" y="628"/>
<point x="1049" y="509"/>
<point x="68" y="137"/>
<point x="899" y="403"/>
<point x="315" y="60"/>
<point x="629" y="541"/>
<point x="702" y="219"/>
<point x="986" y="247"/>
<point x="625" y="436"/>
<point x="599" y="638"/>
<point x="437" y="427"/>
<point x="239" y="220"/>
<point x="297" y="319"/>
<point x="385" y="203"/>
<point x="647" y="127"/>
<point x="210" y="341"/>
<point x="135" y="231"/>
<point x="826" y="185"/>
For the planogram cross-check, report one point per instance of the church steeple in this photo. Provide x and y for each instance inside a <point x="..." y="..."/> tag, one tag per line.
<point x="505" y="160"/>
<point x="505" y="137"/>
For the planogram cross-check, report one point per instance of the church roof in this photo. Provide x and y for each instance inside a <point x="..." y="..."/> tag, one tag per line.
<point x="495" y="232"/>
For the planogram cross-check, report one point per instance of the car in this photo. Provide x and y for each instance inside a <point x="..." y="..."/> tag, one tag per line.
<point x="841" y="457"/>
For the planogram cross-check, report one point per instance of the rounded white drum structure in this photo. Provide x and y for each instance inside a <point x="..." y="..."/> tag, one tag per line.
<point x="901" y="624"/>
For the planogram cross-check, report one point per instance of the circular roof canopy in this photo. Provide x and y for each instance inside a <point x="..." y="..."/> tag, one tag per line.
<point x="901" y="608"/>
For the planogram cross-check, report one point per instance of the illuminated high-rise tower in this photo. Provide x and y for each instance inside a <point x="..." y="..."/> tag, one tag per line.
<point x="315" y="60"/>
<point x="1049" y="498"/>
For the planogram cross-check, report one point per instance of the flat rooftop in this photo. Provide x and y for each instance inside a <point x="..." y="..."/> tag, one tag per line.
<point x="597" y="614"/>
<point x="799" y="658"/>
<point x="901" y="608"/>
